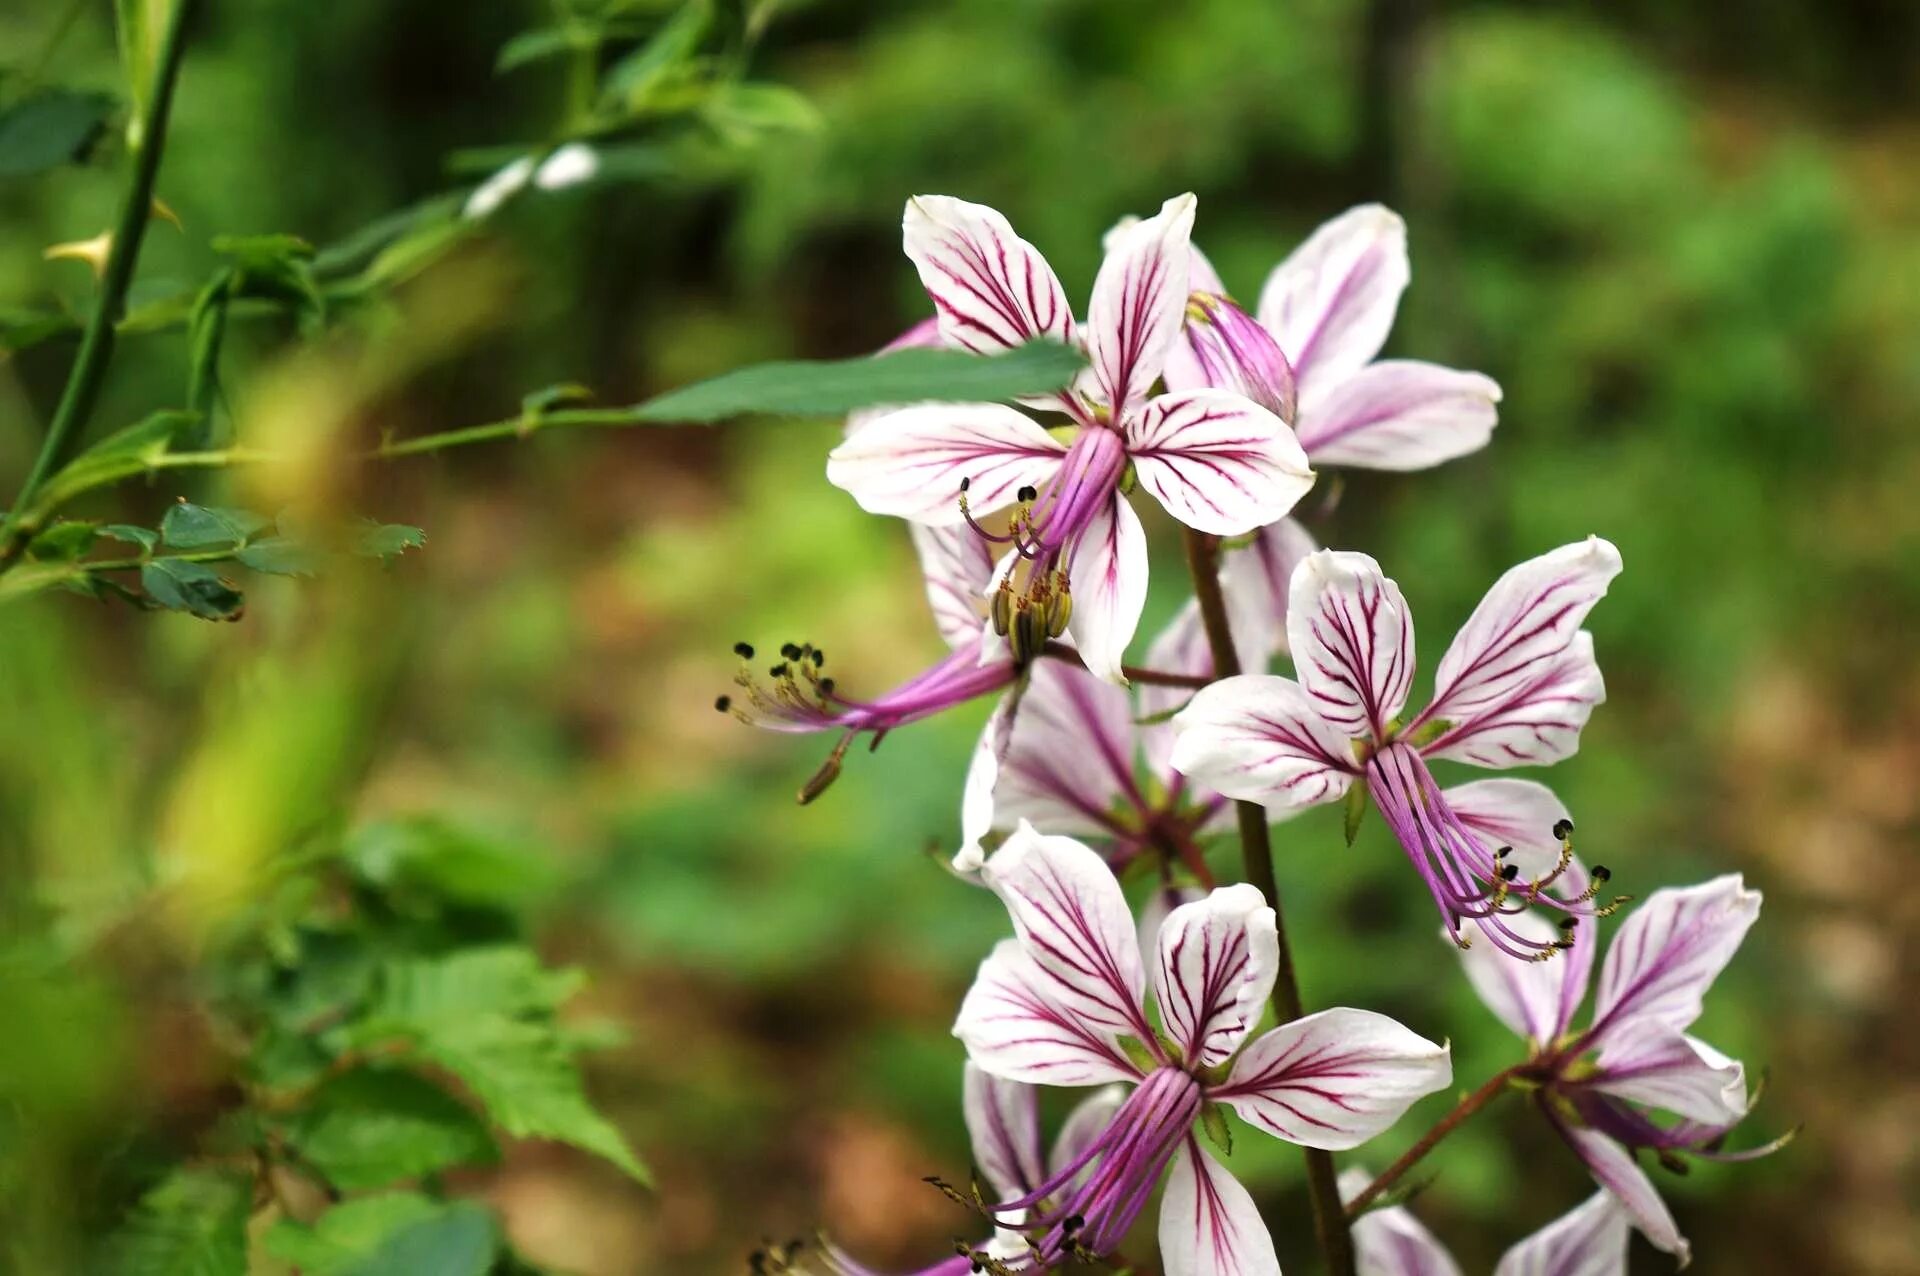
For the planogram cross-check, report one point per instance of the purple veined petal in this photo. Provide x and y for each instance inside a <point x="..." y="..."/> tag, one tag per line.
<point x="1588" y="1240"/>
<point x="1662" y="1067"/>
<point x="1391" y="1241"/>
<point x="1089" y="1118"/>
<point x="1533" y="998"/>
<point x="1003" y="1121"/>
<point x="1223" y="347"/>
<point x="1071" y="919"/>
<point x="911" y="462"/>
<point x="979" y="797"/>
<point x="1214" y="967"/>
<point x="1209" y="1225"/>
<point x="1399" y="414"/>
<point x="1218" y="462"/>
<point x="839" y="1263"/>
<point x="1518" y="682"/>
<point x="1538" y="722"/>
<point x="1521" y="814"/>
<point x="925" y="334"/>
<point x="1257" y="738"/>
<point x="1331" y="303"/>
<point x="1668" y="952"/>
<point x="1351" y="637"/>
<point x="956" y="563"/>
<point x="1201" y="276"/>
<point x="991" y="289"/>
<point x="1160" y="905"/>
<point x="1334" y="1079"/>
<point x="1139" y="301"/>
<point x="1107" y="572"/>
<point x="1070" y="763"/>
<point x="1614" y="1168"/>
<point x="1277" y="552"/>
<point x="1013" y="1027"/>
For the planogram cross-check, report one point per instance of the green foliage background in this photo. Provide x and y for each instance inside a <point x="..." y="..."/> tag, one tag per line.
<point x="1680" y="236"/>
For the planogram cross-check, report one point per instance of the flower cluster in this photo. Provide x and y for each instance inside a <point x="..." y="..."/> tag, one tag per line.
<point x="1091" y="769"/>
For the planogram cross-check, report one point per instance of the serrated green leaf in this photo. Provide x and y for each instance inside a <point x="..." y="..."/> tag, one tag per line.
<point x="193" y="1224"/>
<point x="392" y="1234"/>
<point x="63" y="542"/>
<point x="487" y="1017"/>
<point x="188" y="526"/>
<point x="280" y="556"/>
<point x="146" y="538"/>
<point x="375" y="1126"/>
<point x="462" y="865"/>
<point x="49" y="128"/>
<point x="387" y="540"/>
<point x="836" y="387"/>
<point x="195" y="588"/>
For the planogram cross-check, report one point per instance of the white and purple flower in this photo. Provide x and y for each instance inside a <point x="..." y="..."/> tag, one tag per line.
<point x="1077" y="560"/>
<point x="1636" y="1051"/>
<point x="1514" y="689"/>
<point x="1064" y="1002"/>
<point x="1588" y="1240"/>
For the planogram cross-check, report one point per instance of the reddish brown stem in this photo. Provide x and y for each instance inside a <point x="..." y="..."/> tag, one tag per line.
<point x="1134" y="673"/>
<point x="1446" y="1125"/>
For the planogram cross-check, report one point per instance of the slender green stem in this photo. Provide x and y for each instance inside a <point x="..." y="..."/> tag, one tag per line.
<point x="1329" y="1222"/>
<point x="1493" y="1089"/>
<point x="96" y="344"/>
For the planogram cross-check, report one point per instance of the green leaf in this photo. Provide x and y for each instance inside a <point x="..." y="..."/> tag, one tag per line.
<point x="145" y="538"/>
<point x="375" y="1126"/>
<point x="751" y="112"/>
<point x="392" y="1234"/>
<point x="25" y="329"/>
<point x="180" y="585"/>
<point x="1356" y="810"/>
<point x="188" y="526"/>
<point x="193" y="1224"/>
<point x="439" y="857"/>
<point x="63" y="542"/>
<point x="206" y="331"/>
<point x="632" y="78"/>
<point x="487" y="1017"/>
<point x="280" y="556"/>
<point x="1214" y="1121"/>
<point x="387" y="541"/>
<point x="541" y="43"/>
<point x="49" y="128"/>
<point x="118" y="455"/>
<point x="276" y="267"/>
<point x="836" y="387"/>
<point x="547" y="398"/>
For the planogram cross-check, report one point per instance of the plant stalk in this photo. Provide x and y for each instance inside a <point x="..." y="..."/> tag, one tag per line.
<point x="1256" y="852"/>
<point x="1493" y="1089"/>
<point x="96" y="344"/>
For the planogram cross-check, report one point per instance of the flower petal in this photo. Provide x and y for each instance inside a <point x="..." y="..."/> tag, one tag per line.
<point x="1663" y="1067"/>
<point x="1222" y="347"/>
<point x="956" y="563"/>
<point x="1139" y="301"/>
<point x="1215" y="964"/>
<point x="980" y="796"/>
<point x="1534" y="998"/>
<point x="1614" y="1168"/>
<point x="1013" y="1027"/>
<point x="911" y="462"/>
<point x="1277" y="552"/>
<point x="1666" y="955"/>
<point x="1391" y="1241"/>
<point x="1334" y="1079"/>
<point x="1518" y="813"/>
<point x="1071" y="757"/>
<point x="1003" y="1120"/>
<point x="1351" y="636"/>
<point x="991" y="289"/>
<point x="1107" y="572"/>
<point x="1332" y="302"/>
<point x="1083" y="1125"/>
<point x="1588" y="1240"/>
<point x="1518" y="681"/>
<point x="1257" y="738"/>
<point x="1399" y="414"/>
<point x="1209" y="1225"/>
<point x="1220" y="463"/>
<point x="1071" y="919"/>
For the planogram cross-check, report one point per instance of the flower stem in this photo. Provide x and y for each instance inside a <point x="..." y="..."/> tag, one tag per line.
<point x="1134" y="673"/>
<point x="96" y="344"/>
<point x="1256" y="851"/>
<point x="1493" y="1089"/>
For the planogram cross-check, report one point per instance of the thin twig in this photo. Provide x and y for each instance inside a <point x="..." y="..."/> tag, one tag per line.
<point x="1133" y="673"/>
<point x="1493" y="1089"/>
<point x="1329" y="1223"/>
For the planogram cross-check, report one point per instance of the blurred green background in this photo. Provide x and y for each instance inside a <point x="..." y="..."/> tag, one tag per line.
<point x="1684" y="238"/>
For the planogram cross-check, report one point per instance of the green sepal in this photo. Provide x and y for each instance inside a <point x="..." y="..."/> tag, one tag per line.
<point x="1356" y="810"/>
<point x="1429" y="731"/>
<point x="1138" y="1054"/>
<point x="1213" y="1120"/>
